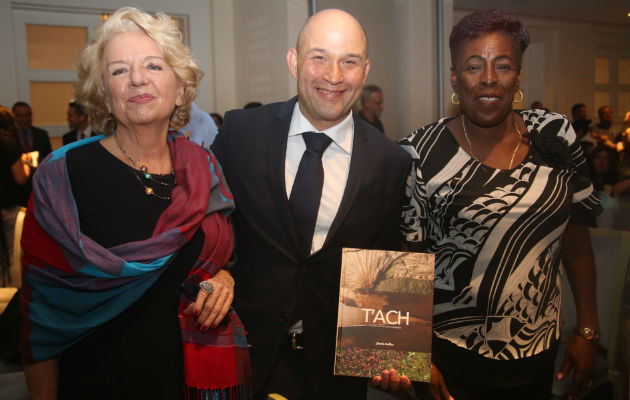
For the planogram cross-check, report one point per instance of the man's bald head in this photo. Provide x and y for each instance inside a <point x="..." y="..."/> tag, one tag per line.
<point x="322" y="19"/>
<point x="330" y="64"/>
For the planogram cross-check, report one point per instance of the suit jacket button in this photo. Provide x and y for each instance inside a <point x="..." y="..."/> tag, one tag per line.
<point x="284" y="317"/>
<point x="302" y="268"/>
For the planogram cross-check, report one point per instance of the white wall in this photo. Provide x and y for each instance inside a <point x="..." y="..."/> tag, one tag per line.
<point x="241" y="45"/>
<point x="265" y="30"/>
<point x="199" y="23"/>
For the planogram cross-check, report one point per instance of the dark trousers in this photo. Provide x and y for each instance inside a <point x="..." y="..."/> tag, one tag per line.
<point x="289" y="377"/>
<point x="539" y="388"/>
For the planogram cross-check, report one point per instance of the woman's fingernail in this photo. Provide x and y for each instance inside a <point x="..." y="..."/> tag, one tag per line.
<point x="195" y="313"/>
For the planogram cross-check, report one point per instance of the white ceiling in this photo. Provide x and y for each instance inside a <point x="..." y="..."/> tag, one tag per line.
<point x="606" y="11"/>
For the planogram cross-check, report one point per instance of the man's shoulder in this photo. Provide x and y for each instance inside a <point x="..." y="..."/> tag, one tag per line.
<point x="377" y="139"/>
<point x="39" y="131"/>
<point x="69" y="137"/>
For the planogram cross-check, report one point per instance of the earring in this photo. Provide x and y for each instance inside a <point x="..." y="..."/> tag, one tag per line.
<point x="520" y="98"/>
<point x="453" y="96"/>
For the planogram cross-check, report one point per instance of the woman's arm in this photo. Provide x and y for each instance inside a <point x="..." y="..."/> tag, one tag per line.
<point x="41" y="379"/>
<point x="579" y="264"/>
<point x="20" y="170"/>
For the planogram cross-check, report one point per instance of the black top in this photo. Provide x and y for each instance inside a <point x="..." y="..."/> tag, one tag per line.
<point x="138" y="354"/>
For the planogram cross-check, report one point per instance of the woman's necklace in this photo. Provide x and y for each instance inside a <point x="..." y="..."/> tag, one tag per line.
<point x="148" y="190"/>
<point x="518" y="144"/>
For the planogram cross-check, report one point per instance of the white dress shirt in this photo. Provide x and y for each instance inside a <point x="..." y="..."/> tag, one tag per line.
<point x="336" y="162"/>
<point x="87" y="133"/>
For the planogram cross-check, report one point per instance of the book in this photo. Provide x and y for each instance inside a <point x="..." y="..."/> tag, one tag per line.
<point x="385" y="313"/>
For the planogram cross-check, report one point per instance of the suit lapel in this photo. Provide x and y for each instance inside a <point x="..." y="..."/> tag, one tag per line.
<point x="276" y="155"/>
<point x="357" y="166"/>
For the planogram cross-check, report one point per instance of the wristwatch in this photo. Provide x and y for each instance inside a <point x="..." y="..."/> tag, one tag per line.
<point x="589" y="334"/>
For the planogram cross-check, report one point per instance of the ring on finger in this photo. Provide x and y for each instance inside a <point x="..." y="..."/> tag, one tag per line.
<point x="207" y="286"/>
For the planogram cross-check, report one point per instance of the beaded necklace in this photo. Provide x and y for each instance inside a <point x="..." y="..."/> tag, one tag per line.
<point x="518" y="144"/>
<point x="144" y="171"/>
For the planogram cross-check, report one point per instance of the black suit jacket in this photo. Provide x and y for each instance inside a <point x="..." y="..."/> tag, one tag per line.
<point x="272" y="281"/>
<point x="69" y="137"/>
<point x="41" y="142"/>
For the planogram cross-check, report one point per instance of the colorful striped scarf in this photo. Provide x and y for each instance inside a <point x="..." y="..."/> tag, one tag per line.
<point x="72" y="285"/>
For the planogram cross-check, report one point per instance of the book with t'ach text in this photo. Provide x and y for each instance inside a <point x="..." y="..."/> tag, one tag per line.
<point x="385" y="313"/>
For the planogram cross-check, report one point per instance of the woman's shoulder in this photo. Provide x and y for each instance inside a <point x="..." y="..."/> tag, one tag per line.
<point x="548" y="123"/>
<point x="418" y="138"/>
<point x="86" y="154"/>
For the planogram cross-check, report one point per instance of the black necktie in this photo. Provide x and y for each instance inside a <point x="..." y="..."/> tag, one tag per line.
<point x="307" y="187"/>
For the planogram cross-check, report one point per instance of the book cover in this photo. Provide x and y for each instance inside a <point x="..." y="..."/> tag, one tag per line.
<point x="385" y="313"/>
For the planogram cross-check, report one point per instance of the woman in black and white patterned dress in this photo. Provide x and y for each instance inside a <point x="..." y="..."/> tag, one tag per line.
<point x="502" y="198"/>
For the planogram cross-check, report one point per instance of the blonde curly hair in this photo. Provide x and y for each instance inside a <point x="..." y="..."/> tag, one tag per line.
<point x="90" y="89"/>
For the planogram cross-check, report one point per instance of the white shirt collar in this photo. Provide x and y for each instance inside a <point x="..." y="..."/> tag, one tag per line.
<point x="341" y="133"/>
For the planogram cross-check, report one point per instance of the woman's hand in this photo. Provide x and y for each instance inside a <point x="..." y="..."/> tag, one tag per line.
<point x="437" y="389"/>
<point x="391" y="382"/>
<point x="579" y="357"/>
<point x="209" y="309"/>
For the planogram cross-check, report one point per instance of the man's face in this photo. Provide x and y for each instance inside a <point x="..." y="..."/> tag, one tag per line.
<point x="75" y="120"/>
<point x="330" y="67"/>
<point x="605" y="114"/>
<point x="373" y="105"/>
<point x="581" y="113"/>
<point x="24" y="117"/>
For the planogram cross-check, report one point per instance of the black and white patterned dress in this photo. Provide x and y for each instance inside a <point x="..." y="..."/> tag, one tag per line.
<point x="497" y="236"/>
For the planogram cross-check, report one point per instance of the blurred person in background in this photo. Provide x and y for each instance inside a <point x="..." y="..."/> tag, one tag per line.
<point x="30" y="137"/>
<point x="78" y="122"/>
<point x="15" y="173"/>
<point x="372" y="106"/>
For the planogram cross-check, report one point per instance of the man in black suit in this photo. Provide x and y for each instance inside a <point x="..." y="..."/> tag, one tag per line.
<point x="78" y="122"/>
<point x="31" y="138"/>
<point x="287" y="284"/>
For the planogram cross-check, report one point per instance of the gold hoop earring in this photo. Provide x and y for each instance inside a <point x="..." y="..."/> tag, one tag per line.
<point x="521" y="98"/>
<point x="453" y="99"/>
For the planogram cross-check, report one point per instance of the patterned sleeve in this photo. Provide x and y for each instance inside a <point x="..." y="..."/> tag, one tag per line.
<point x="585" y="202"/>
<point x="414" y="221"/>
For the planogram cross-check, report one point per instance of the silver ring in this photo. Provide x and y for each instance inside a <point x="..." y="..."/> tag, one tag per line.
<point x="206" y="286"/>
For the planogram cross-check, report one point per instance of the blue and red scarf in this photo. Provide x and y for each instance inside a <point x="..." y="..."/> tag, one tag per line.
<point x="72" y="285"/>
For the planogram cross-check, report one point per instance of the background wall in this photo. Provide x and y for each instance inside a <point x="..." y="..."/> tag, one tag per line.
<point x="241" y="45"/>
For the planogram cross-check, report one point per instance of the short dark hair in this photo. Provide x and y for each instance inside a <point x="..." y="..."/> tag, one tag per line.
<point x="217" y="116"/>
<point x="368" y="90"/>
<point x="483" y="22"/>
<point x="577" y="107"/>
<point x="78" y="107"/>
<point x="252" y="104"/>
<point x="20" y="104"/>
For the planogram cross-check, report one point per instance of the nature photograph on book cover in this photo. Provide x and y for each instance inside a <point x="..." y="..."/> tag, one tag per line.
<point x="385" y="313"/>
